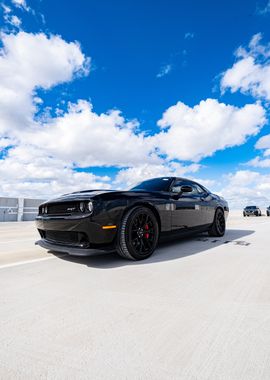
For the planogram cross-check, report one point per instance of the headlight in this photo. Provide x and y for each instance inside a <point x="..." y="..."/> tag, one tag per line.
<point x="46" y="209"/>
<point x="82" y="207"/>
<point x="90" y="206"/>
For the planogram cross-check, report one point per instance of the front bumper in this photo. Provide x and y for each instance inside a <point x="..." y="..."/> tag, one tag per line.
<point x="60" y="234"/>
<point x="74" y="251"/>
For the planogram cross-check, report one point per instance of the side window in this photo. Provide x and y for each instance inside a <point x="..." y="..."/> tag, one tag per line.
<point x="196" y="189"/>
<point x="177" y="186"/>
<point x="199" y="189"/>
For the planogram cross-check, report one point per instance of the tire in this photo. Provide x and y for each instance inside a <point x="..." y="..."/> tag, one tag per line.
<point x="219" y="225"/>
<point x="268" y="213"/>
<point x="244" y="214"/>
<point x="138" y="234"/>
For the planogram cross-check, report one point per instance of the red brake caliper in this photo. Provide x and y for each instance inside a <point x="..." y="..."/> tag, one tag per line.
<point x="146" y="235"/>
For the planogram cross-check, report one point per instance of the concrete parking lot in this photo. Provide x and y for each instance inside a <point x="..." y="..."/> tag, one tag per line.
<point x="197" y="309"/>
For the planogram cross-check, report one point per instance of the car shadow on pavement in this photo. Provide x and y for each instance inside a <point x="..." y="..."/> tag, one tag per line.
<point x="170" y="250"/>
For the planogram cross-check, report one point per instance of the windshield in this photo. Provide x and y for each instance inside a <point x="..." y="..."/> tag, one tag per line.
<point x="251" y="207"/>
<point x="156" y="184"/>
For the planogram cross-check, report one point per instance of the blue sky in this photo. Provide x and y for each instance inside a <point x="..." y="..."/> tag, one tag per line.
<point x="146" y="57"/>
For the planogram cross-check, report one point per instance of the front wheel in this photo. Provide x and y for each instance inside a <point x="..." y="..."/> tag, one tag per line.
<point x="138" y="234"/>
<point x="219" y="225"/>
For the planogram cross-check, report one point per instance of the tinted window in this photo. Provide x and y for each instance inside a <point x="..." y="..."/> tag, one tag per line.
<point x="251" y="207"/>
<point x="156" y="184"/>
<point x="200" y="190"/>
<point x="196" y="189"/>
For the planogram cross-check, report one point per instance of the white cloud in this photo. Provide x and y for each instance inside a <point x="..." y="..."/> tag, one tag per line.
<point x="78" y="135"/>
<point x="263" y="142"/>
<point x="21" y="4"/>
<point x="85" y="138"/>
<point x="28" y="62"/>
<point x="13" y="20"/>
<point x="251" y="72"/>
<point x="261" y="162"/>
<point x="6" y="9"/>
<point x="251" y="75"/>
<point x="88" y="139"/>
<point x="28" y="171"/>
<point x="194" y="133"/>
<point x="164" y="70"/>
<point x="133" y="175"/>
<point x="45" y="151"/>
<point x="5" y="142"/>
<point x="246" y="187"/>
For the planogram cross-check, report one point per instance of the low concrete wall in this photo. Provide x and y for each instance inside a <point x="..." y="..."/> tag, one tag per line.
<point x="18" y="209"/>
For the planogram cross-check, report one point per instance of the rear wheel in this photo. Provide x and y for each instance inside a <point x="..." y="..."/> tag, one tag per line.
<point x="138" y="234"/>
<point x="219" y="225"/>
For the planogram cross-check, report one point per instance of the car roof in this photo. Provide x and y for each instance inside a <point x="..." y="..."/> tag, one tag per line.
<point x="174" y="178"/>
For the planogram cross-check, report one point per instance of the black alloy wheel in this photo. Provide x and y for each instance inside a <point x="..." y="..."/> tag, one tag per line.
<point x="138" y="234"/>
<point x="219" y="225"/>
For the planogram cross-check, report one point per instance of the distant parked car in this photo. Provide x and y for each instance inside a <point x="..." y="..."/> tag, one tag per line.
<point x="268" y="211"/>
<point x="252" y="210"/>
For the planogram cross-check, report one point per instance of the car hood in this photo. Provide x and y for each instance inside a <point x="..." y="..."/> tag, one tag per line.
<point x="80" y="195"/>
<point x="96" y="194"/>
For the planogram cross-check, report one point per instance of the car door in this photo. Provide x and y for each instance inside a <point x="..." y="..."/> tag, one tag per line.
<point x="207" y="205"/>
<point x="189" y="209"/>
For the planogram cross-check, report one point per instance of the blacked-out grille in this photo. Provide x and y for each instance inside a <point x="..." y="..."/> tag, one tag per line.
<point x="62" y="208"/>
<point x="66" y="237"/>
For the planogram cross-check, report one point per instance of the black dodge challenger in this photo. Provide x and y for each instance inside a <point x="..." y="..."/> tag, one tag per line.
<point x="130" y="222"/>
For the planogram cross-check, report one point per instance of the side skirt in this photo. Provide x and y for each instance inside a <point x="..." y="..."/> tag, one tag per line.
<point x="182" y="233"/>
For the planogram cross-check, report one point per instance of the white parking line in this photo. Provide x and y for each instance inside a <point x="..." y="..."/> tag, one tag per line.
<point x="29" y="261"/>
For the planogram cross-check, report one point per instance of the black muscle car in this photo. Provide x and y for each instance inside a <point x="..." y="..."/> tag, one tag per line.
<point x="252" y="210"/>
<point x="130" y="222"/>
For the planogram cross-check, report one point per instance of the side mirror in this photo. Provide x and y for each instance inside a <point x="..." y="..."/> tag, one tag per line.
<point x="186" y="189"/>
